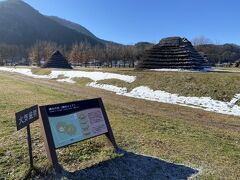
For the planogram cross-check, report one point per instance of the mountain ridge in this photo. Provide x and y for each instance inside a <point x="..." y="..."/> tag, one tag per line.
<point x="80" y="28"/>
<point x="72" y="25"/>
<point x="21" y="24"/>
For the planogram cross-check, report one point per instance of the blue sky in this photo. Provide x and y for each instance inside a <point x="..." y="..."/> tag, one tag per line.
<point x="131" y="21"/>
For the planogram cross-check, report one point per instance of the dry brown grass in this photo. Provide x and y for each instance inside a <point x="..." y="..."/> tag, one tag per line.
<point x="194" y="137"/>
<point x="219" y="86"/>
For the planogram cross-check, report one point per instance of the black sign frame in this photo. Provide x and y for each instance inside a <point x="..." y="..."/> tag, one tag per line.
<point x="81" y="105"/>
<point x="30" y="115"/>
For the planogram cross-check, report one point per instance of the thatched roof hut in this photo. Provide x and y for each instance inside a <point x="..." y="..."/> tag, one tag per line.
<point x="57" y="60"/>
<point x="172" y="53"/>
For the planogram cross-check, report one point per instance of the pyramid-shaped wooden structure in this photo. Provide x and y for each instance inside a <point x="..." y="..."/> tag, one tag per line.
<point x="57" y="60"/>
<point x="172" y="53"/>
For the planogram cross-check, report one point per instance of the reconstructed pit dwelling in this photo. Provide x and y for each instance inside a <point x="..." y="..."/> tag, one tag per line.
<point x="57" y="60"/>
<point x="172" y="53"/>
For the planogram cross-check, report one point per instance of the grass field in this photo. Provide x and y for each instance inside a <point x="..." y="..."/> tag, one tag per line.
<point x="218" y="85"/>
<point x="39" y="71"/>
<point x="187" y="84"/>
<point x="203" y="140"/>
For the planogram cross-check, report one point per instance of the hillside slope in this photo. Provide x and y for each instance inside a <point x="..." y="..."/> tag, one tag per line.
<point x="80" y="29"/>
<point x="21" y="24"/>
<point x="73" y="26"/>
<point x="226" y="53"/>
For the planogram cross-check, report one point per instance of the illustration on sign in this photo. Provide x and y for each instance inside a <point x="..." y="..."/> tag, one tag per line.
<point x="77" y="126"/>
<point x="68" y="123"/>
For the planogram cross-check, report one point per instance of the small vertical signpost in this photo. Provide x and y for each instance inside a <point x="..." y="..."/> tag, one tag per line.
<point x="23" y="119"/>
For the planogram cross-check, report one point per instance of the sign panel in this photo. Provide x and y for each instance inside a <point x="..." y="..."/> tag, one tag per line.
<point x="77" y="126"/>
<point x="26" y="116"/>
<point x="75" y="121"/>
<point x="68" y="123"/>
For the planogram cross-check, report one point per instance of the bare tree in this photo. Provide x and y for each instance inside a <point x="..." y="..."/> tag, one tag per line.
<point x="11" y="54"/>
<point x="48" y="49"/>
<point x="42" y="51"/>
<point x="200" y="40"/>
<point x="80" y="53"/>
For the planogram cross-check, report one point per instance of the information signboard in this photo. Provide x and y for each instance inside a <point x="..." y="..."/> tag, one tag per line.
<point x="67" y="123"/>
<point x="76" y="126"/>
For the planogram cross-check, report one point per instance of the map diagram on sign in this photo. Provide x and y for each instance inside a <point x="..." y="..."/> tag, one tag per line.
<point x="77" y="126"/>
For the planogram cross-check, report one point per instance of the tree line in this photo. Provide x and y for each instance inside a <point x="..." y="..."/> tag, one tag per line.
<point x="110" y="55"/>
<point x="216" y="53"/>
<point x="10" y="54"/>
<point x="82" y="54"/>
<point x="220" y="54"/>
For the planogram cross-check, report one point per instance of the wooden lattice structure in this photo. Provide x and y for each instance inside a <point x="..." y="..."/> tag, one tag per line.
<point x="172" y="53"/>
<point x="57" y="60"/>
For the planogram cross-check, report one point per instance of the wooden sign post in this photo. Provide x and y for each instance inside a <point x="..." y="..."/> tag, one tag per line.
<point x="72" y="122"/>
<point x="23" y="119"/>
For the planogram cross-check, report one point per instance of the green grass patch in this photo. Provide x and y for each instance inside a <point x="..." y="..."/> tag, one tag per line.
<point x="41" y="71"/>
<point x="82" y="82"/>
<point x="219" y="86"/>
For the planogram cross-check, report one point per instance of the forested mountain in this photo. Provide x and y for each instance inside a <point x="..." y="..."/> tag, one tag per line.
<point x="81" y="29"/>
<point x="21" y="24"/>
<point x="226" y="53"/>
<point x="73" y="26"/>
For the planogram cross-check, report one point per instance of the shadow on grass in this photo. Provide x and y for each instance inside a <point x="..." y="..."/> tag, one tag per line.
<point x="130" y="166"/>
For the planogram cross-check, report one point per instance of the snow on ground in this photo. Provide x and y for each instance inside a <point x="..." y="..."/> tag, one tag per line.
<point x="95" y="76"/>
<point x="141" y="92"/>
<point x="70" y="74"/>
<point x="235" y="99"/>
<point x="107" y="87"/>
<point x="68" y="80"/>
<point x="24" y="71"/>
<point x="205" y="103"/>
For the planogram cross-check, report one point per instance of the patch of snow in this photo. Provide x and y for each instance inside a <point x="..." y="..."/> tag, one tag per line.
<point x="24" y="71"/>
<point x="234" y="100"/>
<point x="68" y="80"/>
<point x="205" y="103"/>
<point x="70" y="74"/>
<point x="95" y="76"/>
<point x="107" y="87"/>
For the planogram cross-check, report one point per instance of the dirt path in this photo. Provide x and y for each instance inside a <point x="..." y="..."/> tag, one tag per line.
<point x="191" y="115"/>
